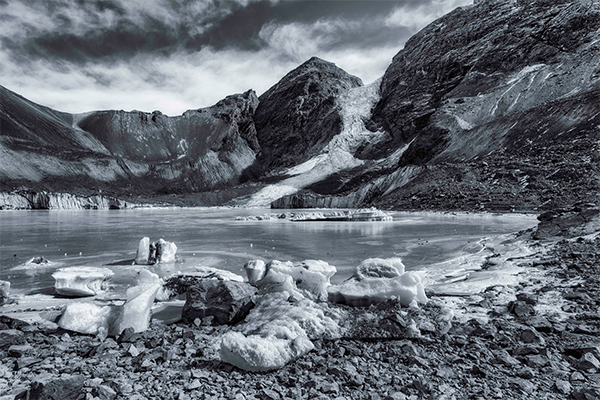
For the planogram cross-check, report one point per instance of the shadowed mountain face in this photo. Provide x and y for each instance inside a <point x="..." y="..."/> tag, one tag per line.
<point x="297" y="117"/>
<point x="493" y="106"/>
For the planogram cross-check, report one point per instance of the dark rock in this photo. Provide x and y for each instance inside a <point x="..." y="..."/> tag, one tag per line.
<point x="10" y="337"/>
<point x="13" y="323"/>
<point x="587" y="362"/>
<point x="531" y="336"/>
<point x="227" y="301"/>
<point x="520" y="308"/>
<point x="541" y="324"/>
<point x="63" y="388"/>
<point x="20" y="350"/>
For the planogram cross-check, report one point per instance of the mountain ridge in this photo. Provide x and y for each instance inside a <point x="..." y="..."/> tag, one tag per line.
<point x="493" y="106"/>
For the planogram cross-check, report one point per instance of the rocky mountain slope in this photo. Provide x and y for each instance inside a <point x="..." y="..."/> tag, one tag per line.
<point x="494" y="106"/>
<point x="199" y="150"/>
<point x="497" y="105"/>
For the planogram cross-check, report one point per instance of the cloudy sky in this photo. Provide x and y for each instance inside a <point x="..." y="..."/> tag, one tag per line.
<point x="175" y="55"/>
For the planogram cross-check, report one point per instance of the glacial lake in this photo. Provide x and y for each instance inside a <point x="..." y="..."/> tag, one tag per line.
<point x="213" y="237"/>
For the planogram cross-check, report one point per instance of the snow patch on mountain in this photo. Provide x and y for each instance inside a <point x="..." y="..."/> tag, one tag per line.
<point x="354" y="107"/>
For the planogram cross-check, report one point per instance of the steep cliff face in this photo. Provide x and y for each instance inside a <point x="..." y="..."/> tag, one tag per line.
<point x="298" y="116"/>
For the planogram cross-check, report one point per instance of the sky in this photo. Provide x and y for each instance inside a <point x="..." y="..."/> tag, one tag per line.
<point x="174" y="55"/>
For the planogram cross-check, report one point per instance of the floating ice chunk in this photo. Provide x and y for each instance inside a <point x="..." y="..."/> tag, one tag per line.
<point x="81" y="281"/>
<point x="276" y="332"/>
<point x="157" y="252"/>
<point x="112" y="320"/>
<point x="255" y="270"/>
<point x="375" y="280"/>
<point x="379" y="268"/>
<point x="309" y="278"/>
<point x="137" y="310"/>
<point x="143" y="252"/>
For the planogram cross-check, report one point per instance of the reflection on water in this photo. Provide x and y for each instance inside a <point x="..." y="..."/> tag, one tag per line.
<point x="212" y="237"/>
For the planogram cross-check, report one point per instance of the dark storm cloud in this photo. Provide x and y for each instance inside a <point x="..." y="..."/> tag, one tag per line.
<point x="179" y="54"/>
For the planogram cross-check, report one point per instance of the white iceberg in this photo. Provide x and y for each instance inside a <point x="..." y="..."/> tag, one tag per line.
<point x="309" y="278"/>
<point x="81" y="281"/>
<point x="112" y="320"/>
<point x="150" y="253"/>
<point x="255" y="270"/>
<point x="378" y="280"/>
<point x="87" y="318"/>
<point x="137" y="310"/>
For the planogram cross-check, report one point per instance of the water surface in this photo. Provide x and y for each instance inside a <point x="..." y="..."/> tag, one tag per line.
<point x="212" y="237"/>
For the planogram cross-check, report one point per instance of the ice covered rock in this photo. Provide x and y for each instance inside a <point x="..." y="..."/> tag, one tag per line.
<point x="277" y="331"/>
<point x="227" y="301"/>
<point x="81" y="281"/>
<point x="255" y="270"/>
<point x="150" y="253"/>
<point x="112" y="320"/>
<point x="309" y="278"/>
<point x="137" y="310"/>
<point x="4" y="291"/>
<point x="179" y="284"/>
<point x="377" y="280"/>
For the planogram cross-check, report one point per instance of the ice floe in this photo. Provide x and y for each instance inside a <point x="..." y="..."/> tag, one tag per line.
<point x="111" y="320"/>
<point x="377" y="280"/>
<point x="81" y="281"/>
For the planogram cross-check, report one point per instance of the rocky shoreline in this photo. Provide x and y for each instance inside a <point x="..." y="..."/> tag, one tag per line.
<point x="538" y="339"/>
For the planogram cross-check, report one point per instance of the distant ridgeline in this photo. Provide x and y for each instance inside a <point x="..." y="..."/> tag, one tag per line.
<point x="495" y="106"/>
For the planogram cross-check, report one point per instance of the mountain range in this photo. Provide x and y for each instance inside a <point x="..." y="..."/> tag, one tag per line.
<point x="495" y="106"/>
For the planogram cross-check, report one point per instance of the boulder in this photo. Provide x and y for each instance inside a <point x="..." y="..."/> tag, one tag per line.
<point x="227" y="301"/>
<point x="150" y="253"/>
<point x="81" y="281"/>
<point x="377" y="280"/>
<point x="4" y="291"/>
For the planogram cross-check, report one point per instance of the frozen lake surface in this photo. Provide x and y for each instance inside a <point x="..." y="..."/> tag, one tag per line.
<point x="212" y="237"/>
